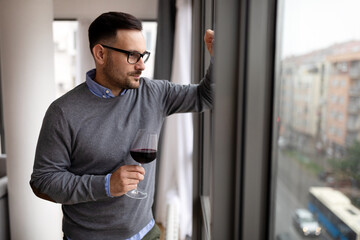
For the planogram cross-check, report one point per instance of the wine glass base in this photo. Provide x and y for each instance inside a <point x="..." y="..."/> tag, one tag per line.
<point x="136" y="194"/>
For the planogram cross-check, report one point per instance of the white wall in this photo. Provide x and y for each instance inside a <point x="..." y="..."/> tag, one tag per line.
<point x="143" y="9"/>
<point x="28" y="87"/>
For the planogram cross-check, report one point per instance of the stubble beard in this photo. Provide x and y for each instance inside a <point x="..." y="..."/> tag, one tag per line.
<point x="131" y="81"/>
<point x="119" y="80"/>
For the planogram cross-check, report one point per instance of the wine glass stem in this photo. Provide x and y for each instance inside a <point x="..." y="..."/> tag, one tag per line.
<point x="136" y="189"/>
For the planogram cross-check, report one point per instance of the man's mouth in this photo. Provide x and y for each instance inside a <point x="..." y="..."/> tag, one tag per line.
<point x="136" y="75"/>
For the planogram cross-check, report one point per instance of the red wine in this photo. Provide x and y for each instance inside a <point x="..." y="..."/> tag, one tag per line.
<point x="143" y="155"/>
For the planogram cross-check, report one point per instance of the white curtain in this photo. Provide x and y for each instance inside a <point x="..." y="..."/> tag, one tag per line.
<point x="175" y="175"/>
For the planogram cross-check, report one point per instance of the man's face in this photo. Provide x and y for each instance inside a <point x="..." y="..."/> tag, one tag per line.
<point x="117" y="71"/>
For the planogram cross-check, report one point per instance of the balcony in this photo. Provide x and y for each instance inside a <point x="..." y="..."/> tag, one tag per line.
<point x="353" y="109"/>
<point x="353" y="127"/>
<point x="354" y="92"/>
<point x="354" y="73"/>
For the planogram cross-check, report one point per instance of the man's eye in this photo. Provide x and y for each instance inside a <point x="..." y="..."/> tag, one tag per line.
<point x="134" y="54"/>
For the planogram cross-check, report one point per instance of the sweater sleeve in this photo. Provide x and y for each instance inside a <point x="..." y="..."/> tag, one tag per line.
<point x="177" y="98"/>
<point x="52" y="160"/>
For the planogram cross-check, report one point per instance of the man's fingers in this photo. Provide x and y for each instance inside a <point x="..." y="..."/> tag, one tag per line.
<point x="130" y="187"/>
<point x="209" y="36"/>
<point x="126" y="178"/>
<point x="209" y="39"/>
<point x="135" y="175"/>
<point x="131" y="182"/>
<point x="135" y="168"/>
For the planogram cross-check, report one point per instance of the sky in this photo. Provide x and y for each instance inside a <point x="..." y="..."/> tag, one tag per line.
<point x="314" y="24"/>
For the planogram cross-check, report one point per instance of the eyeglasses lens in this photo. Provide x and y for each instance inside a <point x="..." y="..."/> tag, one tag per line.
<point x="135" y="57"/>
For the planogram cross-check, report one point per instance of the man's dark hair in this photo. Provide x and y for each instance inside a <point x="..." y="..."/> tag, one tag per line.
<point x="106" y="25"/>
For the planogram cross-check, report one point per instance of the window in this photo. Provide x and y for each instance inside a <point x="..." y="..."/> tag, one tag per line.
<point x="149" y="31"/>
<point x="266" y="164"/>
<point x="319" y="175"/>
<point x="65" y="52"/>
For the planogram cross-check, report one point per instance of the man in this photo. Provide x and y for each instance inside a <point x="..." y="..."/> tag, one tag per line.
<point x="82" y="158"/>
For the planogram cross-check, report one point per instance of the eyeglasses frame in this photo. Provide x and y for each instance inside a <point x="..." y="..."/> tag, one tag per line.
<point x="128" y="53"/>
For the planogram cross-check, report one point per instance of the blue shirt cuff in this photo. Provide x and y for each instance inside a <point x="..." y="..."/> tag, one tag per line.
<point x="107" y="185"/>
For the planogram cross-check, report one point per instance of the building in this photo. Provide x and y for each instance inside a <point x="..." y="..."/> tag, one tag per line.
<point x="320" y="98"/>
<point x="343" y="101"/>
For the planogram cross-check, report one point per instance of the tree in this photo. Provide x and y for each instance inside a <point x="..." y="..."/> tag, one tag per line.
<point x="349" y="166"/>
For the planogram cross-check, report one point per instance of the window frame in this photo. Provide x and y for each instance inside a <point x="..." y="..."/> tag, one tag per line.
<point x="2" y="130"/>
<point x="243" y="171"/>
<point x="203" y="18"/>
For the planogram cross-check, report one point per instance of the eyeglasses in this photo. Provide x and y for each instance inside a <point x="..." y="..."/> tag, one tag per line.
<point x="132" y="57"/>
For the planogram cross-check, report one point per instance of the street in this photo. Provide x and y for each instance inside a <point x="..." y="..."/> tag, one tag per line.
<point x="293" y="182"/>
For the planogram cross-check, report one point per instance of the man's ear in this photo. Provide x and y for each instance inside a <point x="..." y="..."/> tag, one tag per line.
<point x="99" y="54"/>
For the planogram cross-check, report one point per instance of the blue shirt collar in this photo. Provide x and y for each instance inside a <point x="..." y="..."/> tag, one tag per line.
<point x="96" y="88"/>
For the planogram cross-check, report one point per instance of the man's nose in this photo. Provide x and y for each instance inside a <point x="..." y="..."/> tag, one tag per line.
<point x="140" y="65"/>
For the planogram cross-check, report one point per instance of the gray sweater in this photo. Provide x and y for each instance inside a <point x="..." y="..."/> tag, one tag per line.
<point x="84" y="137"/>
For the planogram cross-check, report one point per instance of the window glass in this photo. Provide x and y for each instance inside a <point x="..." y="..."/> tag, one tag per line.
<point x="150" y="31"/>
<point x="318" y="120"/>
<point x="65" y="52"/>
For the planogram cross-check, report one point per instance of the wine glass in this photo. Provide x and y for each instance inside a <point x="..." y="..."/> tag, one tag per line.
<point x="143" y="150"/>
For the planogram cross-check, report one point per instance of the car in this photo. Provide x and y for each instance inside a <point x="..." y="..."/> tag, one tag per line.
<point x="305" y="222"/>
